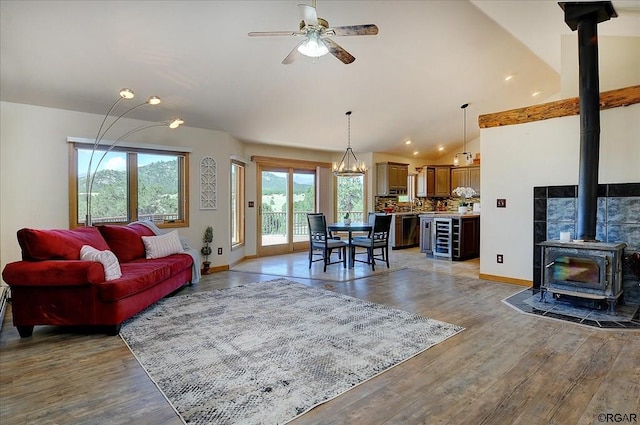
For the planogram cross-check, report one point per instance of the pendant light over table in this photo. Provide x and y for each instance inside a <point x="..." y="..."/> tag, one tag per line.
<point x="349" y="166"/>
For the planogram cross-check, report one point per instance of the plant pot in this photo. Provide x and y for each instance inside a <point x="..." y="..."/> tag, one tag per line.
<point x="463" y="210"/>
<point x="205" y="266"/>
<point x="347" y="221"/>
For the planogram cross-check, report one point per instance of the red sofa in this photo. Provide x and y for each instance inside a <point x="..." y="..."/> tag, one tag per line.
<point x="51" y="286"/>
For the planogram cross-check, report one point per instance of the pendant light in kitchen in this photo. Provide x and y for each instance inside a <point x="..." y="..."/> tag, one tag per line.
<point x="464" y="156"/>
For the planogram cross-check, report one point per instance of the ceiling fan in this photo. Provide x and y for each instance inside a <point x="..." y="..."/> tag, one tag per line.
<point x="316" y="34"/>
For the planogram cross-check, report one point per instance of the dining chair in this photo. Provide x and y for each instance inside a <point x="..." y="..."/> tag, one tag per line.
<point x="371" y="215"/>
<point x="331" y="236"/>
<point x="321" y="243"/>
<point x="377" y="239"/>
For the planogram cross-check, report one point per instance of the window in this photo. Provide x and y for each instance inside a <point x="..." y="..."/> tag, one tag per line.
<point x="237" y="204"/>
<point x="351" y="196"/>
<point x="128" y="184"/>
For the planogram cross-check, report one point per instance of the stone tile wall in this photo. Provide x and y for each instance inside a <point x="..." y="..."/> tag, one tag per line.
<point x="618" y="220"/>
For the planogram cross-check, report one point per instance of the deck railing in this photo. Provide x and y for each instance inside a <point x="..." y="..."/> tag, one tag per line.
<point x="274" y="223"/>
<point x="156" y="218"/>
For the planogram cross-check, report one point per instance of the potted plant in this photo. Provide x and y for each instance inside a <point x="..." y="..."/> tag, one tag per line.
<point x="463" y="193"/>
<point x="206" y="249"/>
<point x="347" y="205"/>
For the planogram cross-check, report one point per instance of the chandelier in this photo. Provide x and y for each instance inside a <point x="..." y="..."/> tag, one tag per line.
<point x="349" y="166"/>
<point x="125" y="94"/>
<point x="466" y="156"/>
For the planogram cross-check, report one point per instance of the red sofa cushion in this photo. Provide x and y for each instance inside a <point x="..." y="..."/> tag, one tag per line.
<point x="58" y="244"/>
<point x="126" y="241"/>
<point x="175" y="262"/>
<point x="139" y="276"/>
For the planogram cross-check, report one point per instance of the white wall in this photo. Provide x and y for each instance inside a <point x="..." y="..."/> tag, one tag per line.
<point x="618" y="63"/>
<point x="518" y="157"/>
<point x="34" y="172"/>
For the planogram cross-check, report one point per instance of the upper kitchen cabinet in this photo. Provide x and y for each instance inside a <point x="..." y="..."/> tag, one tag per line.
<point x="426" y="182"/>
<point x="466" y="177"/>
<point x="391" y="178"/>
<point x="442" y="181"/>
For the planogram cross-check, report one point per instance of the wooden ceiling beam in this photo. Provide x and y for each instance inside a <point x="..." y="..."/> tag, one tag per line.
<point x="560" y="108"/>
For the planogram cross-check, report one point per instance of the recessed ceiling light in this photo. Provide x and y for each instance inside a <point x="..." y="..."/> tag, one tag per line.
<point x="508" y="77"/>
<point x="441" y="148"/>
<point x="535" y="93"/>
<point x="415" y="153"/>
<point x="408" y="142"/>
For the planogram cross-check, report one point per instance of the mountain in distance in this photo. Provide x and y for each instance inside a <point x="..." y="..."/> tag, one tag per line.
<point x="274" y="184"/>
<point x="158" y="174"/>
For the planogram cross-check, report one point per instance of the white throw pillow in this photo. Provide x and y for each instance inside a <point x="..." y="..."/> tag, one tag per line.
<point x="163" y="245"/>
<point x="107" y="258"/>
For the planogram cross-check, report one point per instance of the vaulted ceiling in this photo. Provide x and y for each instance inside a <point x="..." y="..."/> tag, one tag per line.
<point x="407" y="83"/>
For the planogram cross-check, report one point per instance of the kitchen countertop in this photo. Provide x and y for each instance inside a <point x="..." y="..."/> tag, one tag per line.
<point x="449" y="214"/>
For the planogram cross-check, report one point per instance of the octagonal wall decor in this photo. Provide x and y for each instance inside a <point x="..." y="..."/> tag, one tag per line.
<point x="208" y="184"/>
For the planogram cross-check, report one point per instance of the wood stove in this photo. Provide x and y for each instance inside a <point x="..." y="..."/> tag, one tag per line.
<point x="585" y="269"/>
<point x="590" y="271"/>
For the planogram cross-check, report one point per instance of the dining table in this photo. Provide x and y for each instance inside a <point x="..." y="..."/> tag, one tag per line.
<point x="354" y="226"/>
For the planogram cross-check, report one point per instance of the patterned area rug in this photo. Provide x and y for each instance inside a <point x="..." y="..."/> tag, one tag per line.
<point x="267" y="352"/>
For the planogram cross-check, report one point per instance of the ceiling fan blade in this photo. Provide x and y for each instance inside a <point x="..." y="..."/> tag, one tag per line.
<point x="337" y="51"/>
<point x="366" y="29"/>
<point x="309" y="15"/>
<point x="293" y="55"/>
<point x="269" y="33"/>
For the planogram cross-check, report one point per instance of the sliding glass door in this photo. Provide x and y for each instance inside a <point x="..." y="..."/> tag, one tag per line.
<point x="286" y="196"/>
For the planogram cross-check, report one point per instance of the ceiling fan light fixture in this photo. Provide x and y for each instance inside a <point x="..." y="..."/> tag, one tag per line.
<point x="349" y="166"/>
<point x="314" y="47"/>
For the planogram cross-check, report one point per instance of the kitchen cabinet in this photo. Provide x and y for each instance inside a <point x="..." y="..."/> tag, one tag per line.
<point x="442" y="178"/>
<point x="454" y="236"/>
<point x="391" y="178"/>
<point x="466" y="177"/>
<point x="466" y="238"/>
<point x="426" y="182"/>
<point x="426" y="235"/>
<point x="407" y="231"/>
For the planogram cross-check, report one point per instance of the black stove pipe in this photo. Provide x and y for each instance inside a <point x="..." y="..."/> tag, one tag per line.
<point x="585" y="16"/>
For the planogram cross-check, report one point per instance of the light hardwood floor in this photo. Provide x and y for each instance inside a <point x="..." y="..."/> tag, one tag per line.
<point x="505" y="368"/>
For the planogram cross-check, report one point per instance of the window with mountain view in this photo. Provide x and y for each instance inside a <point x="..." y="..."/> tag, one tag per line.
<point x="350" y="194"/>
<point x="126" y="185"/>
